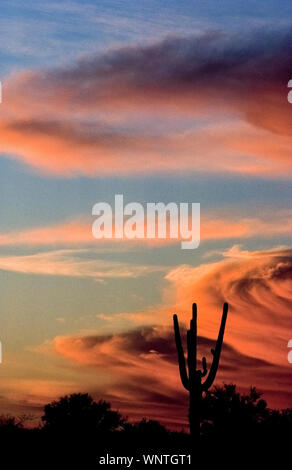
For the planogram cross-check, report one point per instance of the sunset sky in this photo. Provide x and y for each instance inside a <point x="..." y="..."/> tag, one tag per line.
<point x="161" y="101"/>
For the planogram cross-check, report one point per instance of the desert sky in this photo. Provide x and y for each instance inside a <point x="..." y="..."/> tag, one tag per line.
<point x="161" y="101"/>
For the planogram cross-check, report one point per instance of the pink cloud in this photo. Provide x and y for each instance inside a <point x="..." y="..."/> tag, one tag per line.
<point x="213" y="227"/>
<point x="141" y="364"/>
<point x="84" y="119"/>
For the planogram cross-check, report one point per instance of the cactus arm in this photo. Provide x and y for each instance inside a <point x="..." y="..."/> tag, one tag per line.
<point x="204" y="364"/>
<point x="192" y="343"/>
<point x="195" y="335"/>
<point x="216" y="354"/>
<point x="180" y="354"/>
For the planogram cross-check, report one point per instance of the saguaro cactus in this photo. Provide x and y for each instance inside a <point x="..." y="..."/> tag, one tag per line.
<point x="191" y="377"/>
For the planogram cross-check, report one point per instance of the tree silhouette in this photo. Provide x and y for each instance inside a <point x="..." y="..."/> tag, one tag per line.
<point x="80" y="414"/>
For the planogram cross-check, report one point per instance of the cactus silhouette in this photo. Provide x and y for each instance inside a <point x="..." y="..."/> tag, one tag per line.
<point x="191" y="377"/>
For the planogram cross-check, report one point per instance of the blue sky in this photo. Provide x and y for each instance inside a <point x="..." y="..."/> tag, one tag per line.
<point x="38" y="33"/>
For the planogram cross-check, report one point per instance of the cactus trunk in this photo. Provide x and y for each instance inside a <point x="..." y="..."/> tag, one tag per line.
<point x="195" y="397"/>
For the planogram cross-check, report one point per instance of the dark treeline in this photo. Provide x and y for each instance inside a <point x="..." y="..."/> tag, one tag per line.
<point x="76" y="431"/>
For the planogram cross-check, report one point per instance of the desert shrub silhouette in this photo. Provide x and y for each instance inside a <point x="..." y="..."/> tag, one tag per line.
<point x="226" y="411"/>
<point x="76" y="430"/>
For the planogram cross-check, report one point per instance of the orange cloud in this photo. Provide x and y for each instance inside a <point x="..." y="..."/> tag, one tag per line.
<point x="256" y="286"/>
<point x="103" y="114"/>
<point x="213" y="227"/>
<point x="141" y="364"/>
<point x="142" y="369"/>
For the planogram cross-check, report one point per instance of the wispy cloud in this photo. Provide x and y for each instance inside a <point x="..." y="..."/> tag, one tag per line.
<point x="214" y="226"/>
<point x="74" y="263"/>
<point x="238" y="85"/>
<point x="141" y="365"/>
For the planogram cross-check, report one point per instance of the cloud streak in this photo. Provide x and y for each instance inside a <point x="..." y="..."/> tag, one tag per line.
<point x="141" y="363"/>
<point x="74" y="263"/>
<point x="213" y="227"/>
<point x="139" y="366"/>
<point x="230" y="91"/>
<point x="142" y="368"/>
